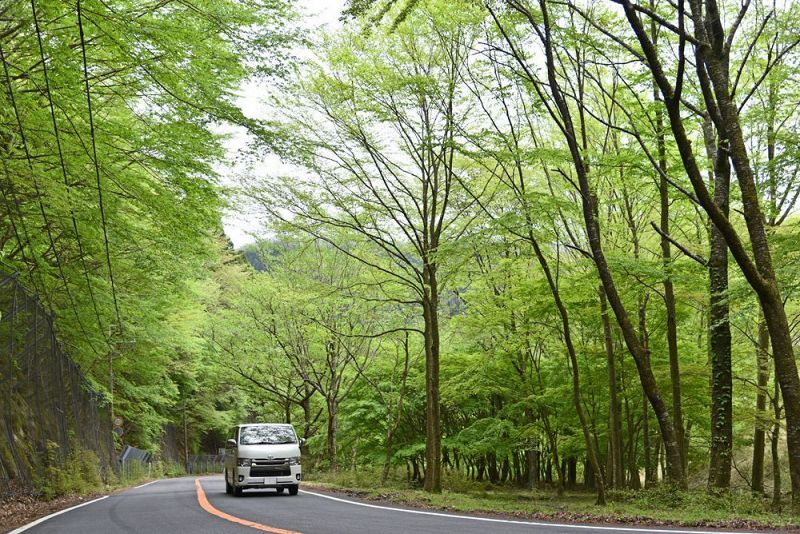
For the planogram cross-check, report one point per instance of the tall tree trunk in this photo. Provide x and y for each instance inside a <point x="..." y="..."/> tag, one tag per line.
<point x="333" y="417"/>
<point x="632" y="466"/>
<point x="785" y="372"/>
<point x="532" y="469"/>
<point x="646" y="445"/>
<point x="433" y="439"/>
<point x="532" y="454"/>
<point x="394" y="422"/>
<point x="415" y="475"/>
<point x="641" y="355"/>
<point x="553" y="461"/>
<point x="615" y="474"/>
<point x="650" y="467"/>
<point x="591" y="448"/>
<point x="669" y="290"/>
<point x="635" y="481"/>
<point x="517" y="470"/>
<point x="307" y="422"/>
<point x="588" y="476"/>
<point x="712" y="66"/>
<point x="759" y="434"/>
<point x="762" y="350"/>
<point x="719" y="330"/>
<point x="491" y="462"/>
<point x="572" y="472"/>
<point x="388" y="452"/>
<point x="776" y="465"/>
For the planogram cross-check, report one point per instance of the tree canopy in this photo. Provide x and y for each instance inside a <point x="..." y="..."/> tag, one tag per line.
<point x="534" y="243"/>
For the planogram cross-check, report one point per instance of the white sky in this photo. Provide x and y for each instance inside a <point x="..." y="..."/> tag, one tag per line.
<point x="242" y="223"/>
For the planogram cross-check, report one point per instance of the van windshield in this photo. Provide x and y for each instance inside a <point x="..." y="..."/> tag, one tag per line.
<point x="266" y="435"/>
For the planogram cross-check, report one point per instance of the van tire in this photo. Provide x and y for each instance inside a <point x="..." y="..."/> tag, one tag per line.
<point x="228" y="487"/>
<point x="237" y="491"/>
<point x="294" y="489"/>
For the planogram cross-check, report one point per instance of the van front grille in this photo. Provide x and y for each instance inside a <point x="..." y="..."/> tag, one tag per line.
<point x="275" y="467"/>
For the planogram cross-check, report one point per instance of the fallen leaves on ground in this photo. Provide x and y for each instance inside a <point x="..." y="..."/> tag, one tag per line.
<point x="20" y="508"/>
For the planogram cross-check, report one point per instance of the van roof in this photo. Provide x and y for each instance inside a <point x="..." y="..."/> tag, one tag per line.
<point x="265" y="424"/>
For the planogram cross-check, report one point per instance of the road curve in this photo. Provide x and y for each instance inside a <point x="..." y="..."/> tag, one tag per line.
<point x="192" y="506"/>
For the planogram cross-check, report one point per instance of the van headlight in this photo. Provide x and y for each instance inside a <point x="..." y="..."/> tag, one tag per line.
<point x="294" y="460"/>
<point x="244" y="462"/>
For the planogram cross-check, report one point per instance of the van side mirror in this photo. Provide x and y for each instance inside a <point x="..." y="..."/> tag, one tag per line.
<point x="231" y="443"/>
<point x="301" y="441"/>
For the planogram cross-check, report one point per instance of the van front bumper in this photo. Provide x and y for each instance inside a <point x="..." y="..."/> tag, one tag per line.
<point x="247" y="477"/>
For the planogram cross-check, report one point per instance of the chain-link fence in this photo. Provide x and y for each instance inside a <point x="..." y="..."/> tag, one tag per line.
<point x="47" y="407"/>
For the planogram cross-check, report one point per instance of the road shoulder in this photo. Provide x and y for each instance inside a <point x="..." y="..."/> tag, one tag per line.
<point x="407" y="500"/>
<point x="23" y="510"/>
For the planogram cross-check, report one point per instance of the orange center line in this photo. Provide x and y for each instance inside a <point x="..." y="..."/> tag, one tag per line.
<point x="208" y="507"/>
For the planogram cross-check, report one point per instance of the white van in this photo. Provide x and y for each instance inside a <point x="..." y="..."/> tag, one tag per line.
<point x="262" y="455"/>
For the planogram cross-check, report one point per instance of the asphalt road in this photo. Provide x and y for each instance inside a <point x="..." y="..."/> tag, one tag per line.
<point x="192" y="506"/>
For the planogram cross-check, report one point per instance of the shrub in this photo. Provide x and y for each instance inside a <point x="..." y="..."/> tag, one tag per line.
<point x="78" y="473"/>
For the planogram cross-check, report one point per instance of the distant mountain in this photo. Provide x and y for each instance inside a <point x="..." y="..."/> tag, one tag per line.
<point x="252" y="256"/>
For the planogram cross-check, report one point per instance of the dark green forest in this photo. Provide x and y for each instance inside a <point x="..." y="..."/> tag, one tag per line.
<point x="545" y="247"/>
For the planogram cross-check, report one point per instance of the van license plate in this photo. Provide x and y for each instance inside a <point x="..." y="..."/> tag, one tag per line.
<point x="270" y="480"/>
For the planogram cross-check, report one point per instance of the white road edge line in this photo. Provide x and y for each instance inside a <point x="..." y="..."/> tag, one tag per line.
<point x="45" y="518"/>
<point x="531" y="523"/>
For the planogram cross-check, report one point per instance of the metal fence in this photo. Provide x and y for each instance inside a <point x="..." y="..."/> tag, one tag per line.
<point x="47" y="407"/>
<point x="135" y="463"/>
<point x="205" y="463"/>
<point x="132" y="454"/>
